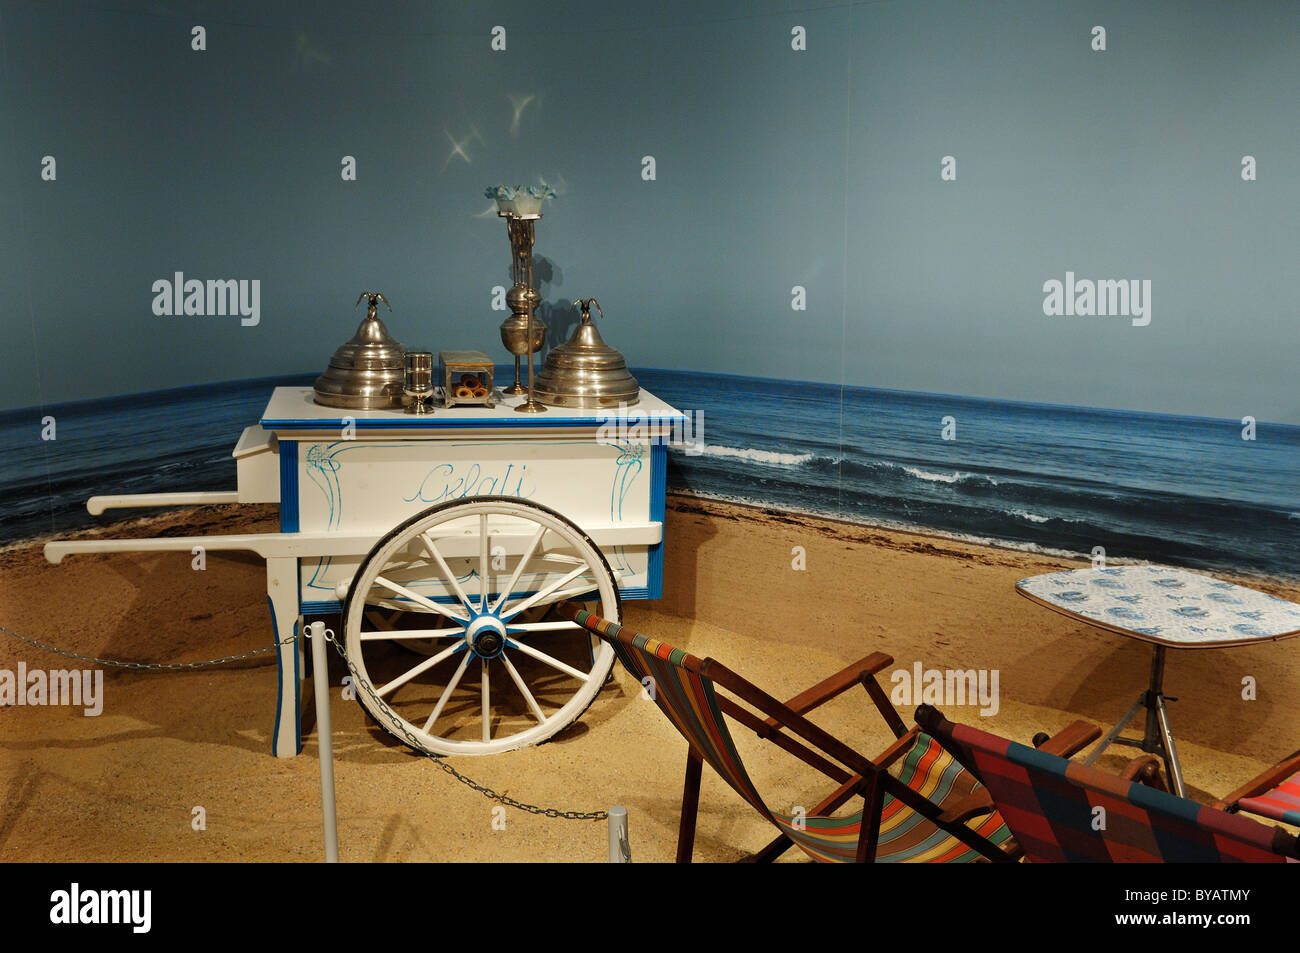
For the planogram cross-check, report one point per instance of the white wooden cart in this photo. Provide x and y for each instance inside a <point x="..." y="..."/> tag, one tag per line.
<point x="441" y="540"/>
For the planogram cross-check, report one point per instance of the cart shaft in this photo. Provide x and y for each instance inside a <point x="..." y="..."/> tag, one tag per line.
<point x="97" y="504"/>
<point x="298" y="545"/>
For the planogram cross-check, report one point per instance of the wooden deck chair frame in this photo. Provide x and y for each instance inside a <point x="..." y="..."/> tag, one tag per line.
<point x="1261" y="785"/>
<point x="784" y="724"/>
<point x="1231" y="837"/>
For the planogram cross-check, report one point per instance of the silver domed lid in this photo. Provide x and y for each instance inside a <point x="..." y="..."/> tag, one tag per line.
<point x="586" y="372"/>
<point x="367" y="371"/>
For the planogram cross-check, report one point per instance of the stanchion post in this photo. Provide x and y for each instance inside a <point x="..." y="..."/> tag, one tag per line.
<point x="325" y="739"/>
<point x="620" y="849"/>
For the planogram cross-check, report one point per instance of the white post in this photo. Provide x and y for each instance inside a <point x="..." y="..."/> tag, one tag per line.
<point x="321" y="680"/>
<point x="620" y="850"/>
<point x="282" y="593"/>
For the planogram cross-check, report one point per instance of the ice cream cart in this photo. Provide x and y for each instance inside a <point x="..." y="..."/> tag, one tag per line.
<point x="445" y="536"/>
<point x="442" y="530"/>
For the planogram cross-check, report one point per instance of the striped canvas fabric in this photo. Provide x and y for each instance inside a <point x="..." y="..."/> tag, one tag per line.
<point x="1280" y="804"/>
<point x="689" y="701"/>
<point x="1052" y="807"/>
<point x="905" y="836"/>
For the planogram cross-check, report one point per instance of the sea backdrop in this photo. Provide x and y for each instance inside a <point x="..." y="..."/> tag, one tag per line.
<point x="1177" y="490"/>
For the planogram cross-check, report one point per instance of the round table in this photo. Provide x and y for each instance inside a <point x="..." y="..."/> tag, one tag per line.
<point x="1168" y="608"/>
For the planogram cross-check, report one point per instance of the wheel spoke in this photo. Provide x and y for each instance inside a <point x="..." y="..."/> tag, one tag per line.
<point x="483" y="563"/>
<point x="446" y="570"/>
<point x="446" y="693"/>
<point x="523" y="689"/>
<point x="373" y="600"/>
<point x="424" y="666"/>
<point x="398" y="634"/>
<point x="546" y="626"/>
<point x="564" y="559"/>
<point x="426" y="566"/>
<point x="553" y="662"/>
<point x="419" y="599"/>
<point x="569" y="594"/>
<point x="541" y="594"/>
<point x="487" y="705"/>
<point x="528" y="554"/>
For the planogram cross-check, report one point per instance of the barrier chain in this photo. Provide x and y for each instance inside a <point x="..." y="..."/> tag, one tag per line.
<point x="358" y="680"/>
<point x="363" y="683"/>
<point x="149" y="666"/>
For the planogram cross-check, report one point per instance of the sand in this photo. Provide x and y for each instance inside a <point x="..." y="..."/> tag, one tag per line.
<point x="126" y="785"/>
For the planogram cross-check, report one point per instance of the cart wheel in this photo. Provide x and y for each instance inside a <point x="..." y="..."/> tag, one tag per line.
<point x="464" y="578"/>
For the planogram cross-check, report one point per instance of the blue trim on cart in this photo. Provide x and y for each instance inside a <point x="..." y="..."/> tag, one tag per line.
<point x="658" y="494"/>
<point x="279" y="694"/>
<point x="288" y="524"/>
<point x="288" y="486"/>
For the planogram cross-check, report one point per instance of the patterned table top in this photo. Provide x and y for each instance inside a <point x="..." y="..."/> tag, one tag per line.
<point x="1167" y="606"/>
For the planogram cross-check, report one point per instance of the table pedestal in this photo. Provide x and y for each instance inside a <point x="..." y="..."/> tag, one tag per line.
<point x="1156" y="738"/>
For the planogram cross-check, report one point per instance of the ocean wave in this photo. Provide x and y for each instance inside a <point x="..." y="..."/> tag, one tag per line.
<point x="1032" y="517"/>
<point x="897" y="525"/>
<point x="769" y="458"/>
<point x="955" y="477"/>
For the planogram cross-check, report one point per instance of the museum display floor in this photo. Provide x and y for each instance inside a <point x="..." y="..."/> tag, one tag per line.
<point x="125" y="784"/>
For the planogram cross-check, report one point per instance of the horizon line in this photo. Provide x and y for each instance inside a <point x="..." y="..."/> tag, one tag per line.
<point x="1011" y="402"/>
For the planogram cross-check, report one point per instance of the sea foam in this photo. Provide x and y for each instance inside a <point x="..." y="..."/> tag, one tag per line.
<point x="769" y="457"/>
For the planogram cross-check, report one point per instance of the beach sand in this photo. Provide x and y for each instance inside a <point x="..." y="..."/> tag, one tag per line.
<point x="125" y="785"/>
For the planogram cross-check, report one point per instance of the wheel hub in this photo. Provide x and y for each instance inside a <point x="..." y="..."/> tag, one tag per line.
<point x="486" y="636"/>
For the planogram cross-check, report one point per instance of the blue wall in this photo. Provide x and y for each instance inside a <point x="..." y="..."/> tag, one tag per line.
<point x="774" y="168"/>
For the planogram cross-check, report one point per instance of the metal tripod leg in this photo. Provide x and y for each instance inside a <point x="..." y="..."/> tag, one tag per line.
<point x="1115" y="732"/>
<point x="1157" y="738"/>
<point x="1172" y="767"/>
<point x="1151" y="735"/>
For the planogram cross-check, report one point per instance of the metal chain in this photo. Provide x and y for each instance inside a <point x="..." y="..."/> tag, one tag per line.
<point x="149" y="666"/>
<point x="357" y="679"/>
<point x="363" y="683"/>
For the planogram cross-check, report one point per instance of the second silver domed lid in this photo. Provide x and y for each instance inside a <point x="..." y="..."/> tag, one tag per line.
<point x="586" y="372"/>
<point x="367" y="371"/>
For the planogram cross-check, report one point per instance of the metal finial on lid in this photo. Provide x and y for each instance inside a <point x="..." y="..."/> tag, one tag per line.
<point x="585" y="372"/>
<point x="368" y="370"/>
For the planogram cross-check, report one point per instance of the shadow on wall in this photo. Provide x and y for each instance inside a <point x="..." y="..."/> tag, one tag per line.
<point x="559" y="315"/>
<point x="561" y="318"/>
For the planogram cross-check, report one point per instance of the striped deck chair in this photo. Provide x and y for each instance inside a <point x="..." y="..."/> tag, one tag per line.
<point x="931" y="811"/>
<point x="1275" y="794"/>
<point x="1063" y="811"/>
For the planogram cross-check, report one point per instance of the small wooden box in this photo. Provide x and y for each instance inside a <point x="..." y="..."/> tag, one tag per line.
<point x="466" y="378"/>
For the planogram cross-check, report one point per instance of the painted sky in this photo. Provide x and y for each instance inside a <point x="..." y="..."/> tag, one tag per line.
<point x="774" y="168"/>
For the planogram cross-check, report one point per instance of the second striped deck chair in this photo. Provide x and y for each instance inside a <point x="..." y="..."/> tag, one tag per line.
<point x="1275" y="794"/>
<point x="1063" y="811"/>
<point x="929" y="810"/>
